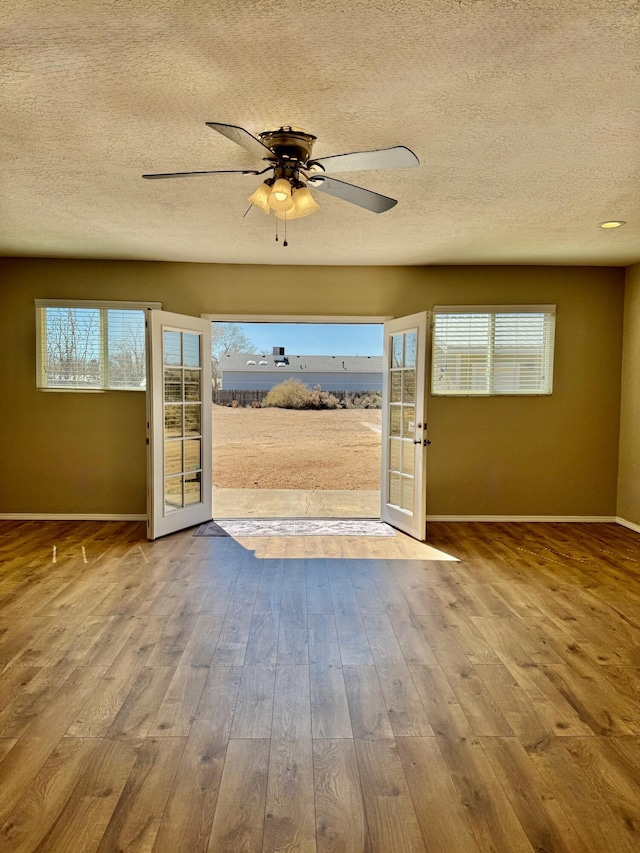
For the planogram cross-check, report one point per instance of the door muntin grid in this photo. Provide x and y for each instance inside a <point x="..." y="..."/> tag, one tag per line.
<point x="182" y="412"/>
<point x="402" y="417"/>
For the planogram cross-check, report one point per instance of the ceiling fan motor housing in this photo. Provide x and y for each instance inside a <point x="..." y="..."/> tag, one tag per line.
<point x="288" y="144"/>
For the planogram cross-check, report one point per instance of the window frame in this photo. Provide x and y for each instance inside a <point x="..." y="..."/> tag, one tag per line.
<point x="103" y="306"/>
<point x="490" y="311"/>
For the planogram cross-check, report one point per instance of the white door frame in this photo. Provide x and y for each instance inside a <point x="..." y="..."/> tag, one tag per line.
<point x="383" y="320"/>
<point x="328" y="319"/>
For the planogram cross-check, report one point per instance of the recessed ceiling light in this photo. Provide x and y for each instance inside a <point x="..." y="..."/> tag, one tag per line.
<point x="614" y="223"/>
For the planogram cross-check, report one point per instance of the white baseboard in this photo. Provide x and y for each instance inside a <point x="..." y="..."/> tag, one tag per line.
<point x="574" y="519"/>
<point x="70" y="516"/>
<point x="629" y="524"/>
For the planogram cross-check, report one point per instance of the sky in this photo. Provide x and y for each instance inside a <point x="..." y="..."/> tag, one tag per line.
<point x="316" y="338"/>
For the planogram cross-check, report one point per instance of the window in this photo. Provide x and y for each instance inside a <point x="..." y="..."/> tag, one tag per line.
<point x="485" y="350"/>
<point x="91" y="346"/>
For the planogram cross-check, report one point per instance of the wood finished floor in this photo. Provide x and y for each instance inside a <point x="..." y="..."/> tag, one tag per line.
<point x="338" y="695"/>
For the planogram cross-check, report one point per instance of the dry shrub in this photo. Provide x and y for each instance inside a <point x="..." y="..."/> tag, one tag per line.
<point x="293" y="394"/>
<point x="372" y="400"/>
<point x="290" y="394"/>
<point x="319" y="399"/>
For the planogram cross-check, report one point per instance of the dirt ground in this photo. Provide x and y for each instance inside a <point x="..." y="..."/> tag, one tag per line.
<point x="289" y="449"/>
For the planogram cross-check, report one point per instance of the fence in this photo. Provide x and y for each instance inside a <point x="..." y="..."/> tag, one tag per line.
<point x="248" y="398"/>
<point x="243" y="398"/>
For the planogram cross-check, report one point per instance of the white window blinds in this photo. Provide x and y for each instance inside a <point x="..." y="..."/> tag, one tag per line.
<point x="485" y="350"/>
<point x="91" y="346"/>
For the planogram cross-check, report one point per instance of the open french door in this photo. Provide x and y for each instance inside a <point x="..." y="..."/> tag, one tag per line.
<point x="178" y="422"/>
<point x="404" y="426"/>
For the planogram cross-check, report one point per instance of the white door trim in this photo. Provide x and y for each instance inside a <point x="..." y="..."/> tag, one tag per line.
<point x="295" y="318"/>
<point x="326" y="319"/>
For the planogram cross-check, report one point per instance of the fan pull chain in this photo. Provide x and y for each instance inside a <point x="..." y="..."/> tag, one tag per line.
<point x="285" y="230"/>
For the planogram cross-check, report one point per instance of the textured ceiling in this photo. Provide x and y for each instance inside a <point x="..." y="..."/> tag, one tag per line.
<point x="525" y="117"/>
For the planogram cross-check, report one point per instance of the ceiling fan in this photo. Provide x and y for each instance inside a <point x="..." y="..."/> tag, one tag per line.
<point x="287" y="153"/>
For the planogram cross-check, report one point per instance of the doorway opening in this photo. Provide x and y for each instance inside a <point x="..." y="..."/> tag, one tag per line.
<point x="296" y="417"/>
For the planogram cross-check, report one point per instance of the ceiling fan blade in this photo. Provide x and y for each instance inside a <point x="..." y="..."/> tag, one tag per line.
<point x="350" y="192"/>
<point x="398" y="157"/>
<point x="215" y="172"/>
<point x="242" y="137"/>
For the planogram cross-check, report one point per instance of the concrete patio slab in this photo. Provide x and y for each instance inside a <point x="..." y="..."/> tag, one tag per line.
<point x="295" y="503"/>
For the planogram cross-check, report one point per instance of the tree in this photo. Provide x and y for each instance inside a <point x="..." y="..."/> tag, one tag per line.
<point x="127" y="359"/>
<point x="72" y="342"/>
<point x="94" y="347"/>
<point x="226" y="338"/>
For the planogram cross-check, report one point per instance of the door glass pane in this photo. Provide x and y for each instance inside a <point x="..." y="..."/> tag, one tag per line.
<point x="192" y="419"/>
<point x="396" y="386"/>
<point x="172" y="421"/>
<point x="192" y="454"/>
<point x="406" y="497"/>
<point x="173" y="492"/>
<point x="394" y="418"/>
<point x="394" y="489"/>
<point x="191" y="350"/>
<point x="173" y="457"/>
<point x="171" y="347"/>
<point x="172" y="385"/>
<point x="192" y="384"/>
<point x="410" y="340"/>
<point x="408" y="456"/>
<point x="409" y="386"/>
<point x="396" y="351"/>
<point x="192" y="489"/>
<point x="395" y="448"/>
<point x="182" y="420"/>
<point x="408" y="421"/>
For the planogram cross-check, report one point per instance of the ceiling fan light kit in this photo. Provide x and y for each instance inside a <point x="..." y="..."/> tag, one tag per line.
<point x="304" y="204"/>
<point x="280" y="196"/>
<point x="260" y="197"/>
<point x="287" y="152"/>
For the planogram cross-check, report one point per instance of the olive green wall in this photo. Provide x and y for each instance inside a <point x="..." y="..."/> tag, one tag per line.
<point x="554" y="456"/>
<point x="629" y="471"/>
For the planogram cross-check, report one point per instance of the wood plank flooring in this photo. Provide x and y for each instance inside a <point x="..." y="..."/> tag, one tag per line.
<point x="320" y="695"/>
